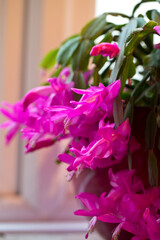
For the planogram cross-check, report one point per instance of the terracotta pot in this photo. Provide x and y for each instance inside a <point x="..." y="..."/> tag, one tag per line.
<point x="97" y="181"/>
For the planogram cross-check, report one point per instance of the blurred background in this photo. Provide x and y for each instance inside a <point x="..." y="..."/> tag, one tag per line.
<point x="33" y="187"/>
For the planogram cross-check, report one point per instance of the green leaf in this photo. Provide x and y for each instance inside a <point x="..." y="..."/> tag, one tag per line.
<point x="81" y="56"/>
<point x="140" y="22"/>
<point x="148" y="94"/>
<point x="78" y="79"/>
<point x="116" y="14"/>
<point x="155" y="95"/>
<point x="141" y="2"/>
<point x="94" y="28"/>
<point x="57" y="72"/>
<point x="126" y="95"/>
<point x="118" y="64"/>
<point x="128" y="71"/>
<point x="159" y="142"/>
<point x="151" y="129"/>
<point x="67" y="49"/>
<point x="150" y="25"/>
<point x="129" y="160"/>
<point x="139" y="36"/>
<point x="152" y="60"/>
<point x="118" y="111"/>
<point x="96" y="76"/>
<point x="135" y="32"/>
<point x="99" y="61"/>
<point x="49" y="60"/>
<point x="152" y="169"/>
<point x="107" y="38"/>
<point x="128" y="113"/>
<point x="154" y="15"/>
<point x="136" y="39"/>
<point x="149" y="39"/>
<point x="127" y="30"/>
<point x="140" y="86"/>
<point x="79" y="82"/>
<point x="71" y="37"/>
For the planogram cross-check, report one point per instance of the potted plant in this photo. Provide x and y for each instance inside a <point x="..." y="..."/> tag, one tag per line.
<point x="103" y="95"/>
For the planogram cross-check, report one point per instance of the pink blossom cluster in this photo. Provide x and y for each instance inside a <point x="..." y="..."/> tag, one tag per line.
<point x="49" y="113"/>
<point x="128" y="205"/>
<point x="39" y="127"/>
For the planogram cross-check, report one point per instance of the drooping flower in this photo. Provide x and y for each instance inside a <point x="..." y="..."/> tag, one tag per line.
<point x="105" y="49"/>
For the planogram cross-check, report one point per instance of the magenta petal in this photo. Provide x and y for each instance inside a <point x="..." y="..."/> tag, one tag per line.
<point x="152" y="225"/>
<point x="89" y="200"/>
<point x="109" y="218"/>
<point x="40" y="144"/>
<point x="12" y="132"/>
<point x="157" y="46"/>
<point x="105" y="49"/>
<point x="34" y="94"/>
<point x="124" y="129"/>
<point x="66" y="158"/>
<point x="82" y="212"/>
<point x="157" y="29"/>
<point x="106" y="133"/>
<point x="114" y="89"/>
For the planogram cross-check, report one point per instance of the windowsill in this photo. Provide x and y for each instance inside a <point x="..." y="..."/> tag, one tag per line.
<point x="68" y="236"/>
<point x="43" y="227"/>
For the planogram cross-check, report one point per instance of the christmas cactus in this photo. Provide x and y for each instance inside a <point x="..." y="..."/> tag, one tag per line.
<point x="103" y="95"/>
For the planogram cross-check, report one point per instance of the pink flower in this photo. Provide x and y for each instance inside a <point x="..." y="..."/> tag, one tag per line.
<point x="86" y="127"/>
<point x="16" y="118"/>
<point x="59" y="92"/>
<point x="45" y="126"/>
<point x="94" y="98"/>
<point x="157" y="46"/>
<point x="96" y="206"/>
<point x="105" y="49"/>
<point x="108" y="150"/>
<point x="87" y="76"/>
<point x="36" y="93"/>
<point x="153" y="222"/>
<point x="157" y="29"/>
<point x="39" y="143"/>
<point x="128" y="205"/>
<point x="115" y="207"/>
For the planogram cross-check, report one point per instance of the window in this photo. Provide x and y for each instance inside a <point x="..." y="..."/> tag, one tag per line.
<point x="32" y="187"/>
<point x="123" y="6"/>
